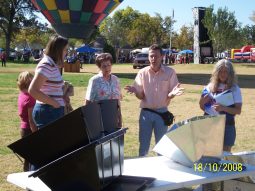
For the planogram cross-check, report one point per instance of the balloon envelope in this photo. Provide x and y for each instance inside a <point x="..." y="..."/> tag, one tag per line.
<point x="75" y="18"/>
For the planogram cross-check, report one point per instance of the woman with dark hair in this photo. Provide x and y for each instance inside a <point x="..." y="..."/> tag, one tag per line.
<point x="46" y="86"/>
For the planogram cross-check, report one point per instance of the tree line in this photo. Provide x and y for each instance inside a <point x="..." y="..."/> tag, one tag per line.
<point x="127" y="28"/>
<point x="225" y="31"/>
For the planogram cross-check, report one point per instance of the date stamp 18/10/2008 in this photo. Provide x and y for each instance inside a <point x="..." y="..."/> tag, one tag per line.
<point x="218" y="167"/>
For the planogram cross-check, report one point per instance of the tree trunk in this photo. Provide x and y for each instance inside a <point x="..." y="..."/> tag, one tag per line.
<point x="117" y="50"/>
<point x="7" y="44"/>
<point x="9" y="31"/>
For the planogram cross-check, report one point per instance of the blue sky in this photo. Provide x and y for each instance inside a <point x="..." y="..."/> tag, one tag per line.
<point x="183" y="8"/>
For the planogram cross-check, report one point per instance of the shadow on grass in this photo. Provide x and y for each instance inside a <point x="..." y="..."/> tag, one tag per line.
<point x="130" y="76"/>
<point x="244" y="81"/>
<point x="249" y="66"/>
<point x="85" y="72"/>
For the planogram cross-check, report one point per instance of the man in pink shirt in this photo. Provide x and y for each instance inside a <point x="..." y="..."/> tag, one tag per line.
<point x="155" y="86"/>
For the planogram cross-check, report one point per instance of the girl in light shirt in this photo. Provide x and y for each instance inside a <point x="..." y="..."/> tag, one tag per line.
<point x="46" y="87"/>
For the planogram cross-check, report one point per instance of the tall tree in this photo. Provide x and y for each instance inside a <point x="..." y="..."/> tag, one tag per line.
<point x="247" y="34"/>
<point x="143" y="31"/>
<point x="13" y="16"/>
<point x="131" y="27"/>
<point x="147" y="30"/>
<point x="184" y="40"/>
<point x="222" y="28"/>
<point x="166" y="29"/>
<point x="38" y="33"/>
<point x="115" y="29"/>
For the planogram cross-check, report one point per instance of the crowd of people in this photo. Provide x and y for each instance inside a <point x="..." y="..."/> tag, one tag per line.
<point x="42" y="101"/>
<point x="178" y="58"/>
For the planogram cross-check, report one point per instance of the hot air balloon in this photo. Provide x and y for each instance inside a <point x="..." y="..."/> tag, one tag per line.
<point x="75" y="18"/>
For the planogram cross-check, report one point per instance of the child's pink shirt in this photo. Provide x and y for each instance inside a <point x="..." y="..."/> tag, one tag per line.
<point x="25" y="101"/>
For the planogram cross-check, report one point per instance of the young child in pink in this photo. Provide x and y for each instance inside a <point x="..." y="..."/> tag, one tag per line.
<point x="25" y="107"/>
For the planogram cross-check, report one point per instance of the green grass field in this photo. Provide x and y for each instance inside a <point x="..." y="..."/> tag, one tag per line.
<point x="193" y="79"/>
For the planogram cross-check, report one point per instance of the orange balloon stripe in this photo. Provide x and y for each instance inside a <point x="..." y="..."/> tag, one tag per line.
<point x="101" y="5"/>
<point x="99" y="20"/>
<point x="48" y="16"/>
<point x="35" y="4"/>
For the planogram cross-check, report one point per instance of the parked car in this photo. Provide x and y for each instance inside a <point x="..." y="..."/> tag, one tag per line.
<point x="141" y="60"/>
<point x="12" y="55"/>
<point x="26" y="55"/>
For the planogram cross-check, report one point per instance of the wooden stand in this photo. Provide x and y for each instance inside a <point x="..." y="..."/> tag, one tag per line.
<point x="72" y="67"/>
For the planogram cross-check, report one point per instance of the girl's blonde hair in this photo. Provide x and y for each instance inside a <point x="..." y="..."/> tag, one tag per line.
<point x="24" y="80"/>
<point x="231" y="80"/>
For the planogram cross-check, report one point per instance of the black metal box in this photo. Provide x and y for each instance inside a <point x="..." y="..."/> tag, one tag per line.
<point x="76" y="129"/>
<point x="84" y="150"/>
<point x="91" y="167"/>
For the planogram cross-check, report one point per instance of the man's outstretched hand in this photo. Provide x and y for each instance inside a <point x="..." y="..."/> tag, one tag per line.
<point x="177" y="91"/>
<point x="130" y="89"/>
